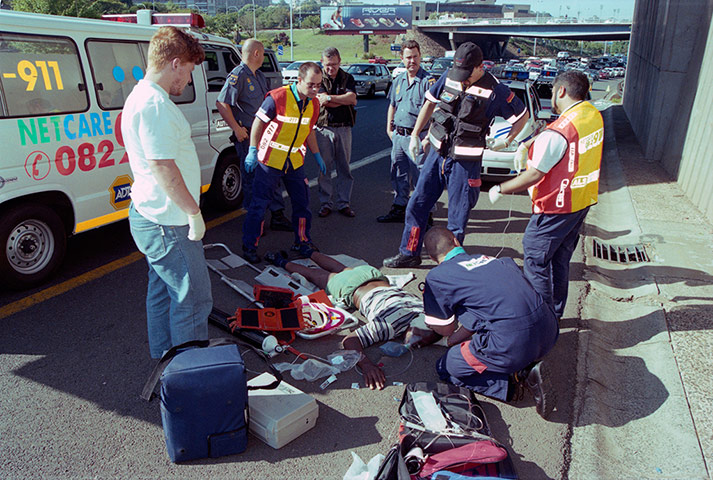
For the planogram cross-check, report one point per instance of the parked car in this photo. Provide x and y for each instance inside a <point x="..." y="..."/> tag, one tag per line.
<point x="370" y="78"/>
<point x="534" y="72"/>
<point x="289" y="73"/>
<point x="439" y="66"/>
<point x="516" y="71"/>
<point x="499" y="165"/>
<point x="380" y="60"/>
<point x="488" y="65"/>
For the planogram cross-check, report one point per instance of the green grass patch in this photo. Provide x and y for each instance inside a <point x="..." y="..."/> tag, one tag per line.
<point x="309" y="45"/>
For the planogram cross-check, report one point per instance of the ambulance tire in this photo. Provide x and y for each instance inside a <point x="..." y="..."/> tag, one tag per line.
<point x="34" y="241"/>
<point x="226" y="189"/>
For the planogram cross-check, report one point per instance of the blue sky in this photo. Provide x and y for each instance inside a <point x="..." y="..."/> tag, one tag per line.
<point x="622" y="9"/>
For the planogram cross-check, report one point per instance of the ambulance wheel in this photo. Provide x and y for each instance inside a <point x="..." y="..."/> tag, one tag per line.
<point x="226" y="189"/>
<point x="34" y="242"/>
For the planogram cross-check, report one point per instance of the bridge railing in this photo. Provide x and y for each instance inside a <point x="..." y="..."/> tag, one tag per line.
<point x="517" y="21"/>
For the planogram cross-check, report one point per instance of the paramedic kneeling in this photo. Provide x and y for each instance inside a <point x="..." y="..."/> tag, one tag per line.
<point x="389" y="311"/>
<point x="497" y="325"/>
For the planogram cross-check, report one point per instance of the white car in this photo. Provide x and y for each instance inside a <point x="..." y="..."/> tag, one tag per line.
<point x="289" y="73"/>
<point x="499" y="165"/>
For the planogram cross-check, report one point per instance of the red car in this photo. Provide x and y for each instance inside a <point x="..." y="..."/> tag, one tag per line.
<point x="488" y="64"/>
<point x="381" y="60"/>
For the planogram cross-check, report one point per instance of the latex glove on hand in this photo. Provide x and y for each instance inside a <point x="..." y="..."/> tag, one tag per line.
<point x="494" y="194"/>
<point x="251" y="159"/>
<point x="320" y="162"/>
<point x="196" y="227"/>
<point x="499" y="144"/>
<point x="520" y="158"/>
<point x="413" y="147"/>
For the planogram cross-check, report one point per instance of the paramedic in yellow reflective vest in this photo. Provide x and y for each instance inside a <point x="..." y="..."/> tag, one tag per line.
<point x="460" y="105"/>
<point x="283" y="125"/>
<point x="563" y="178"/>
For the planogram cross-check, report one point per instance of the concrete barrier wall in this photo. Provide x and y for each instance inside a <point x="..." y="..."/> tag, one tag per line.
<point x="696" y="170"/>
<point x="668" y="42"/>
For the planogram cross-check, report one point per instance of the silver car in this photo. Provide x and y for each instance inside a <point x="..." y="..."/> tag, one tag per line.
<point x="370" y="78"/>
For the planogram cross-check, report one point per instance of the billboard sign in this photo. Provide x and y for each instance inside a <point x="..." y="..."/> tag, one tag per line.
<point x="366" y="19"/>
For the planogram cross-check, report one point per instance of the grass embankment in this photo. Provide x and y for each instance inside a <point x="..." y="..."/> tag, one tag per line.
<point x="309" y="45"/>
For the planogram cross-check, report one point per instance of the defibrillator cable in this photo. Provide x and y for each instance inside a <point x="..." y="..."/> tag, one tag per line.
<point x="512" y="199"/>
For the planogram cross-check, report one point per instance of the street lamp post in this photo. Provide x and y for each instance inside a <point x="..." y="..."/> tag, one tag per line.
<point x="254" y="23"/>
<point x="292" y="57"/>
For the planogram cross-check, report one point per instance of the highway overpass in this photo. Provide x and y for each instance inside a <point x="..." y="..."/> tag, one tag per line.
<point x="493" y="34"/>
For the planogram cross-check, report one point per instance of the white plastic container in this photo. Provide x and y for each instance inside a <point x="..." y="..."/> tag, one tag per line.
<point x="279" y="416"/>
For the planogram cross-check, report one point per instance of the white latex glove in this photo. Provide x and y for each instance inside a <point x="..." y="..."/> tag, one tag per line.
<point x="499" y="144"/>
<point x="520" y="158"/>
<point x="196" y="227"/>
<point x="494" y="194"/>
<point x="414" y="146"/>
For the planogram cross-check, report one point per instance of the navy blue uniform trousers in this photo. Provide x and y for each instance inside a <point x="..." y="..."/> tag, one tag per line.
<point x="548" y="244"/>
<point x="264" y="184"/>
<point x="242" y="148"/>
<point x="461" y="179"/>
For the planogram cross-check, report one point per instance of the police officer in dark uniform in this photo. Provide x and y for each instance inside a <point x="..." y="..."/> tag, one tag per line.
<point x="241" y="96"/>
<point x="462" y="104"/>
<point x="498" y="326"/>
<point x="406" y="98"/>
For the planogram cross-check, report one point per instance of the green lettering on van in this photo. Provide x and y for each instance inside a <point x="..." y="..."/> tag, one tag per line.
<point x="42" y="126"/>
<point x="55" y="122"/>
<point x="27" y="131"/>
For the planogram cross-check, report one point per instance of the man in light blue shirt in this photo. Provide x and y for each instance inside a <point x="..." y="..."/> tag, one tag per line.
<point x="405" y="101"/>
<point x="238" y="101"/>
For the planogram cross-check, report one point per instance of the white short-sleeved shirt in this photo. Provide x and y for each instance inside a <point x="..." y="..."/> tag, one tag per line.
<point x="548" y="150"/>
<point x="154" y="128"/>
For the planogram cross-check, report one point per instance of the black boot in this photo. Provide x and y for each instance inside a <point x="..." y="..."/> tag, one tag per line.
<point x="397" y="214"/>
<point x="279" y="221"/>
<point x="402" y="261"/>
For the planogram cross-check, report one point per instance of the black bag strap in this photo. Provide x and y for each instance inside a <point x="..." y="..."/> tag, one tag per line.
<point x="148" y="392"/>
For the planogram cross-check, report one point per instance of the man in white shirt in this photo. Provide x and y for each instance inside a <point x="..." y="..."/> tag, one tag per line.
<point x="165" y="217"/>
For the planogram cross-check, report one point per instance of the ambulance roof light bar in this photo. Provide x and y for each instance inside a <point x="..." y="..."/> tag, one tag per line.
<point x="148" y="17"/>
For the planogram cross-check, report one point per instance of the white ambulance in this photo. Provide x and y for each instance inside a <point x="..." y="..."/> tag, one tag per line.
<point x="63" y="167"/>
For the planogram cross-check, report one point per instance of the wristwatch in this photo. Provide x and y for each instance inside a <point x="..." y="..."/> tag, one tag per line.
<point x="329" y="98"/>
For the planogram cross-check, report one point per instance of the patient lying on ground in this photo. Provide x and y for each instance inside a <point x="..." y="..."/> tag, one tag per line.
<point x="388" y="310"/>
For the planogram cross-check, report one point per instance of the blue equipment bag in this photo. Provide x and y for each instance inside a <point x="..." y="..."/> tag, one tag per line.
<point x="204" y="398"/>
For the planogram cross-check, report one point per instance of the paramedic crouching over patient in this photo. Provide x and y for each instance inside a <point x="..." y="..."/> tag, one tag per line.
<point x="498" y="326"/>
<point x="164" y="217"/>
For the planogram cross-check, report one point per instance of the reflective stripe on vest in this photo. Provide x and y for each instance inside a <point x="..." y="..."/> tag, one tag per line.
<point x="288" y="131"/>
<point x="573" y="183"/>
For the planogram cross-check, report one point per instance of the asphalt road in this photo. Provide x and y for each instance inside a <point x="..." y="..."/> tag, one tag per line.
<point x="74" y="353"/>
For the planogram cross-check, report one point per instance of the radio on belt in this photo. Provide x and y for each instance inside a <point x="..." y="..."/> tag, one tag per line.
<point x="279" y="416"/>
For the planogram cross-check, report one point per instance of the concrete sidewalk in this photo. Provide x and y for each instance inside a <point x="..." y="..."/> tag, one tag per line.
<point x="645" y="364"/>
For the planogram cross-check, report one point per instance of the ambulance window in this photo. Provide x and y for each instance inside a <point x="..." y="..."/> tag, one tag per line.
<point x="41" y="75"/>
<point x="117" y="67"/>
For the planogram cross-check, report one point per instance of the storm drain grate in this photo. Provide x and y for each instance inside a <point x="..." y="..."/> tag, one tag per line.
<point x="620" y="253"/>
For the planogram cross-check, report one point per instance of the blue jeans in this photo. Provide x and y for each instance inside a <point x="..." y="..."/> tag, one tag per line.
<point x="548" y="245"/>
<point x="461" y="179"/>
<point x="178" y="300"/>
<point x="278" y="202"/>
